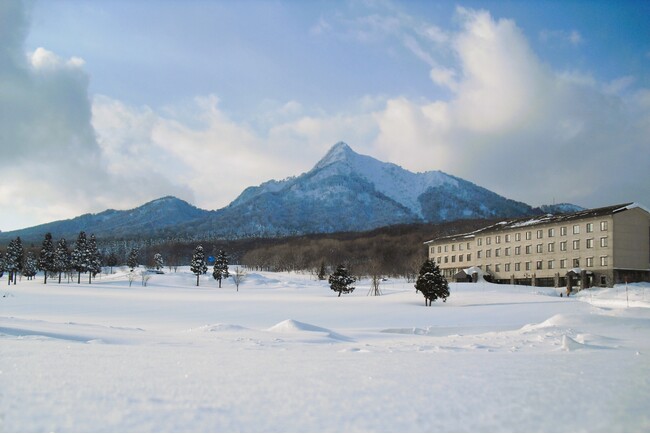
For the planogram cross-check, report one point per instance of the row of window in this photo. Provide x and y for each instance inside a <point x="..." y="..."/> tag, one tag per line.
<point x="550" y="265"/>
<point x="539" y="248"/>
<point x="551" y="232"/>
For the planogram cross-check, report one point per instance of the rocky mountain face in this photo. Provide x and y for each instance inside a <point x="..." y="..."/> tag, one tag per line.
<point x="344" y="191"/>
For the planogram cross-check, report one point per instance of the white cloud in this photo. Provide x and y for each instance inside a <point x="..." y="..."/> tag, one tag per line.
<point x="572" y="37"/>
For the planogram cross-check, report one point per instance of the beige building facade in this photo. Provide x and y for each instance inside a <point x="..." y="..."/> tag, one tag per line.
<point x="595" y="247"/>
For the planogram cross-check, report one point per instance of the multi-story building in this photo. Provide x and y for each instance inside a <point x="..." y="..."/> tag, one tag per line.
<point x="595" y="247"/>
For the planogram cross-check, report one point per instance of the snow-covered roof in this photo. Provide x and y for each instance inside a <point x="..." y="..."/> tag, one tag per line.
<point x="543" y="219"/>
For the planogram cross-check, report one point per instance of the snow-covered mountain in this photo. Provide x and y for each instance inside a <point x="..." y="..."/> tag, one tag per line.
<point x="344" y="191"/>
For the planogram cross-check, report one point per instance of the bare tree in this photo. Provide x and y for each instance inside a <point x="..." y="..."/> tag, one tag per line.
<point x="238" y="277"/>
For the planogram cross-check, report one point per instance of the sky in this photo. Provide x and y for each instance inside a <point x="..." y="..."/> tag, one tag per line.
<point x="115" y="103"/>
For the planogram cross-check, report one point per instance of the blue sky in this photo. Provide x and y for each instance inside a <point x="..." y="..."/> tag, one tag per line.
<point x="538" y="101"/>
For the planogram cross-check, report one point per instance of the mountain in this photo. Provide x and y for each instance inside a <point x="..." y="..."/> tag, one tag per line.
<point x="346" y="191"/>
<point x="146" y="220"/>
<point x="343" y="192"/>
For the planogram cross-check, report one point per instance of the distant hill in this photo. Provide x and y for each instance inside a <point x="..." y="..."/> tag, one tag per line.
<point x="343" y="192"/>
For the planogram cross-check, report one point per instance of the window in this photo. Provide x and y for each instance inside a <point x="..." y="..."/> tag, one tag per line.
<point x="518" y="250"/>
<point x="488" y="253"/>
<point x="469" y="257"/>
<point x="528" y="235"/>
<point x="460" y="258"/>
<point x="529" y="249"/>
<point x="446" y="249"/>
<point x="468" y="246"/>
<point x="563" y="231"/>
<point x="551" y="232"/>
<point x="539" y="248"/>
<point x="528" y="266"/>
<point x="453" y="258"/>
<point x="590" y="262"/>
<point x="432" y="250"/>
<point x="439" y="249"/>
<point x="576" y="244"/>
<point x="508" y="238"/>
<point x="603" y="226"/>
<point x="538" y="265"/>
<point x="518" y="237"/>
<point x="507" y="251"/>
<point x="562" y="263"/>
<point x="576" y="262"/>
<point x="540" y="234"/>
<point x="551" y="247"/>
<point x="603" y="242"/>
<point x="479" y="254"/>
<point x="446" y="259"/>
<point x="453" y="247"/>
<point x="497" y="252"/>
<point x="497" y="239"/>
<point x="460" y="247"/>
<point x="439" y="261"/>
<point x="488" y="240"/>
<point x="576" y="229"/>
<point x="603" y="261"/>
<point x="590" y="243"/>
<point x="479" y="241"/>
<point x="506" y="267"/>
<point x="517" y="266"/>
<point x="590" y="227"/>
<point x="487" y="267"/>
<point x="563" y="246"/>
<point x="497" y="268"/>
<point x="551" y="265"/>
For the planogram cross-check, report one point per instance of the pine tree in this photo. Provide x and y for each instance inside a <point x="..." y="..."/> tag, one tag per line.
<point x="79" y="256"/>
<point x="158" y="261"/>
<point x="321" y="271"/>
<point x="46" y="257"/>
<point x="432" y="283"/>
<point x="341" y="280"/>
<point x="132" y="260"/>
<point x="14" y="259"/>
<point x="94" y="258"/>
<point x="2" y="264"/>
<point x="220" y="270"/>
<point x="30" y="267"/>
<point x="198" y="265"/>
<point x="61" y="258"/>
<point x="111" y="260"/>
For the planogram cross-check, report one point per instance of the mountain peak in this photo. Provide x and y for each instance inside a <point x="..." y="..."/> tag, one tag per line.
<point x="339" y="152"/>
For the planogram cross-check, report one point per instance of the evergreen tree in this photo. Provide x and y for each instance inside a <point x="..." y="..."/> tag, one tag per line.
<point x="220" y="270"/>
<point x="111" y="260"/>
<point x="46" y="257"/>
<point x="94" y="258"/>
<point x="30" y="267"/>
<point x="158" y="261"/>
<point x="432" y="283"/>
<point x="341" y="280"/>
<point x="61" y="258"/>
<point x="79" y="257"/>
<point x="2" y="264"/>
<point x="321" y="271"/>
<point x="132" y="260"/>
<point x="14" y="259"/>
<point x="198" y="265"/>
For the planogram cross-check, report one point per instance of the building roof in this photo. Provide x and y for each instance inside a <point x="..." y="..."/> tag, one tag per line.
<point x="542" y="219"/>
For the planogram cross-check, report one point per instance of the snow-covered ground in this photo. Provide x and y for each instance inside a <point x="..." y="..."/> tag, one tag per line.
<point x="286" y="354"/>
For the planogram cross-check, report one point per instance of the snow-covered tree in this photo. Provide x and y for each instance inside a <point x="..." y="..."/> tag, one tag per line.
<point x="198" y="265"/>
<point x="341" y="280"/>
<point x="111" y="260"/>
<point x="30" y="267"/>
<point x="46" y="257"/>
<point x="79" y="260"/>
<point x="431" y="283"/>
<point x="61" y="258"/>
<point x="220" y="270"/>
<point x="14" y="259"/>
<point x="94" y="258"/>
<point x="132" y="260"/>
<point x="159" y="263"/>
<point x="238" y="277"/>
<point x="2" y="264"/>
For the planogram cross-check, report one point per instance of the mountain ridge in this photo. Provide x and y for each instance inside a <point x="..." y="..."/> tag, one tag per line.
<point x="344" y="191"/>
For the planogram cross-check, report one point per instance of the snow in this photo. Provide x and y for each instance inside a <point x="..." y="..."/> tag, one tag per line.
<point x="286" y="354"/>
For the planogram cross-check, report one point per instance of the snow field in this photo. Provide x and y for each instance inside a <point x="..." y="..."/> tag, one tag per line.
<point x="285" y="354"/>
